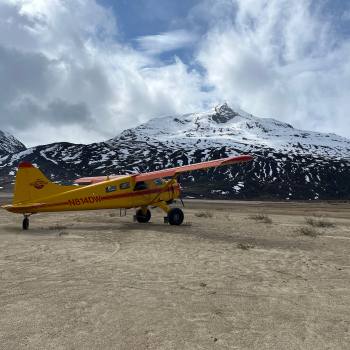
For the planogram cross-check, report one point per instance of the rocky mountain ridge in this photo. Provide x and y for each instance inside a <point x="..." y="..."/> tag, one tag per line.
<point x="289" y="163"/>
<point x="9" y="144"/>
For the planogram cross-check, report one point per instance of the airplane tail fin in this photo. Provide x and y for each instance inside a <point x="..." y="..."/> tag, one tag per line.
<point x="31" y="184"/>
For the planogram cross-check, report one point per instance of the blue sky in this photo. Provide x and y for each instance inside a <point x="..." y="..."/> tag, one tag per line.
<point x="149" y="17"/>
<point x="142" y="18"/>
<point x="83" y="71"/>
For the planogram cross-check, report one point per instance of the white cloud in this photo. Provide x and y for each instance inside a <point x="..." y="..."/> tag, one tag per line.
<point x="169" y="41"/>
<point x="278" y="58"/>
<point x="67" y="77"/>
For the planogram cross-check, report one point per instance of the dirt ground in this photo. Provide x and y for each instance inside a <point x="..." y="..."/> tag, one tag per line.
<point x="227" y="279"/>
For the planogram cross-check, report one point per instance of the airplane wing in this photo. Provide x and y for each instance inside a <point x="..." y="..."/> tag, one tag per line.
<point x="171" y="172"/>
<point x="197" y="166"/>
<point x="95" y="179"/>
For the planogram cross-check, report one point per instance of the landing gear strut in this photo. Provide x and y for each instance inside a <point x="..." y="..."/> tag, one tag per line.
<point x="143" y="216"/>
<point x="25" y="223"/>
<point x="175" y="216"/>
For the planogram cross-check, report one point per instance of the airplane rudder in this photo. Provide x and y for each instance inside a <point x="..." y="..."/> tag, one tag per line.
<point x="28" y="179"/>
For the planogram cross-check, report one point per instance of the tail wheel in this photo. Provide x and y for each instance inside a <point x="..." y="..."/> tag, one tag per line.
<point x="175" y="216"/>
<point x="141" y="217"/>
<point x="25" y="224"/>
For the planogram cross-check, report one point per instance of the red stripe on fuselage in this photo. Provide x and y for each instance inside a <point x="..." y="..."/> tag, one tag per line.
<point x="115" y="196"/>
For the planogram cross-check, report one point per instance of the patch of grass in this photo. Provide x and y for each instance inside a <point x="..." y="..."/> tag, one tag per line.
<point x="319" y="222"/>
<point x="245" y="246"/>
<point x="308" y="231"/>
<point x="204" y="214"/>
<point x="261" y="218"/>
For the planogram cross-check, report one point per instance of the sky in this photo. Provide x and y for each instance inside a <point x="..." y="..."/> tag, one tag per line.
<point x="84" y="70"/>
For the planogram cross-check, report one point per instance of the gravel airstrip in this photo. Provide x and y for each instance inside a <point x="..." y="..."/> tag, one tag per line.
<point x="236" y="275"/>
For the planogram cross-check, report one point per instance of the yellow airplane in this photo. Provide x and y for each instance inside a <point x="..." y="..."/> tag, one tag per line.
<point x="34" y="193"/>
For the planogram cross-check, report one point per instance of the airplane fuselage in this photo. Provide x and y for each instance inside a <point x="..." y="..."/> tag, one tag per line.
<point x="116" y="193"/>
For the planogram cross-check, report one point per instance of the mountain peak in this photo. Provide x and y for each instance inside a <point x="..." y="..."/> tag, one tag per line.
<point x="9" y="144"/>
<point x="223" y="113"/>
<point x="223" y="126"/>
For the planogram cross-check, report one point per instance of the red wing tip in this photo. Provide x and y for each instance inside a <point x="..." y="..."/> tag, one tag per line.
<point x="247" y="157"/>
<point x="25" y="165"/>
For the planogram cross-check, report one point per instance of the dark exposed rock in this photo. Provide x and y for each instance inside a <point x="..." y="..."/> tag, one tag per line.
<point x="299" y="169"/>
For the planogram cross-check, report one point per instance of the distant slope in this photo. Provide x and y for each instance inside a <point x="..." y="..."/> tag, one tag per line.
<point x="9" y="144"/>
<point x="225" y="127"/>
<point x="289" y="163"/>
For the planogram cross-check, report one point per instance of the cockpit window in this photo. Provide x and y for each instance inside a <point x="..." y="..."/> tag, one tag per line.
<point x="141" y="185"/>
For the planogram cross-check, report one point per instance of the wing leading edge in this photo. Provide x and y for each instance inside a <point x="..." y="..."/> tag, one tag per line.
<point x="170" y="172"/>
<point x="191" y="167"/>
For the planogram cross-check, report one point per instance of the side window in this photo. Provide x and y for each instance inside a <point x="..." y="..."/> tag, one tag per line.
<point x="124" y="185"/>
<point x="111" y="189"/>
<point x="141" y="185"/>
<point x="158" y="182"/>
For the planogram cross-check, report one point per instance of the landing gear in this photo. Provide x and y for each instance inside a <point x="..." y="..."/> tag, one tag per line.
<point x="175" y="216"/>
<point x="143" y="216"/>
<point x="25" y="223"/>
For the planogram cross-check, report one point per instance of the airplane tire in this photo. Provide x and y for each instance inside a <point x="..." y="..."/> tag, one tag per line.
<point x="25" y="224"/>
<point x="142" y="218"/>
<point x="175" y="216"/>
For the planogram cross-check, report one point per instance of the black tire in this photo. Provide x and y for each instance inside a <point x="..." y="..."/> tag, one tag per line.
<point x="142" y="218"/>
<point x="175" y="216"/>
<point x="25" y="224"/>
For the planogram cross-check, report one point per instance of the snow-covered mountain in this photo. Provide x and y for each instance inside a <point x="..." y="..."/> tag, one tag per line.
<point x="289" y="163"/>
<point x="223" y="126"/>
<point x="9" y="144"/>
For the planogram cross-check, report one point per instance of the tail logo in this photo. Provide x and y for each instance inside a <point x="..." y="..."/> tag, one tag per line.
<point x="39" y="184"/>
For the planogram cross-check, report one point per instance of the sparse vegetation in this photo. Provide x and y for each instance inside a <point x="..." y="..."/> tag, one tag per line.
<point x="308" y="231"/>
<point x="57" y="227"/>
<point x="261" y="218"/>
<point x="204" y="214"/>
<point x="245" y="246"/>
<point x="63" y="233"/>
<point x="187" y="223"/>
<point x="319" y="222"/>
